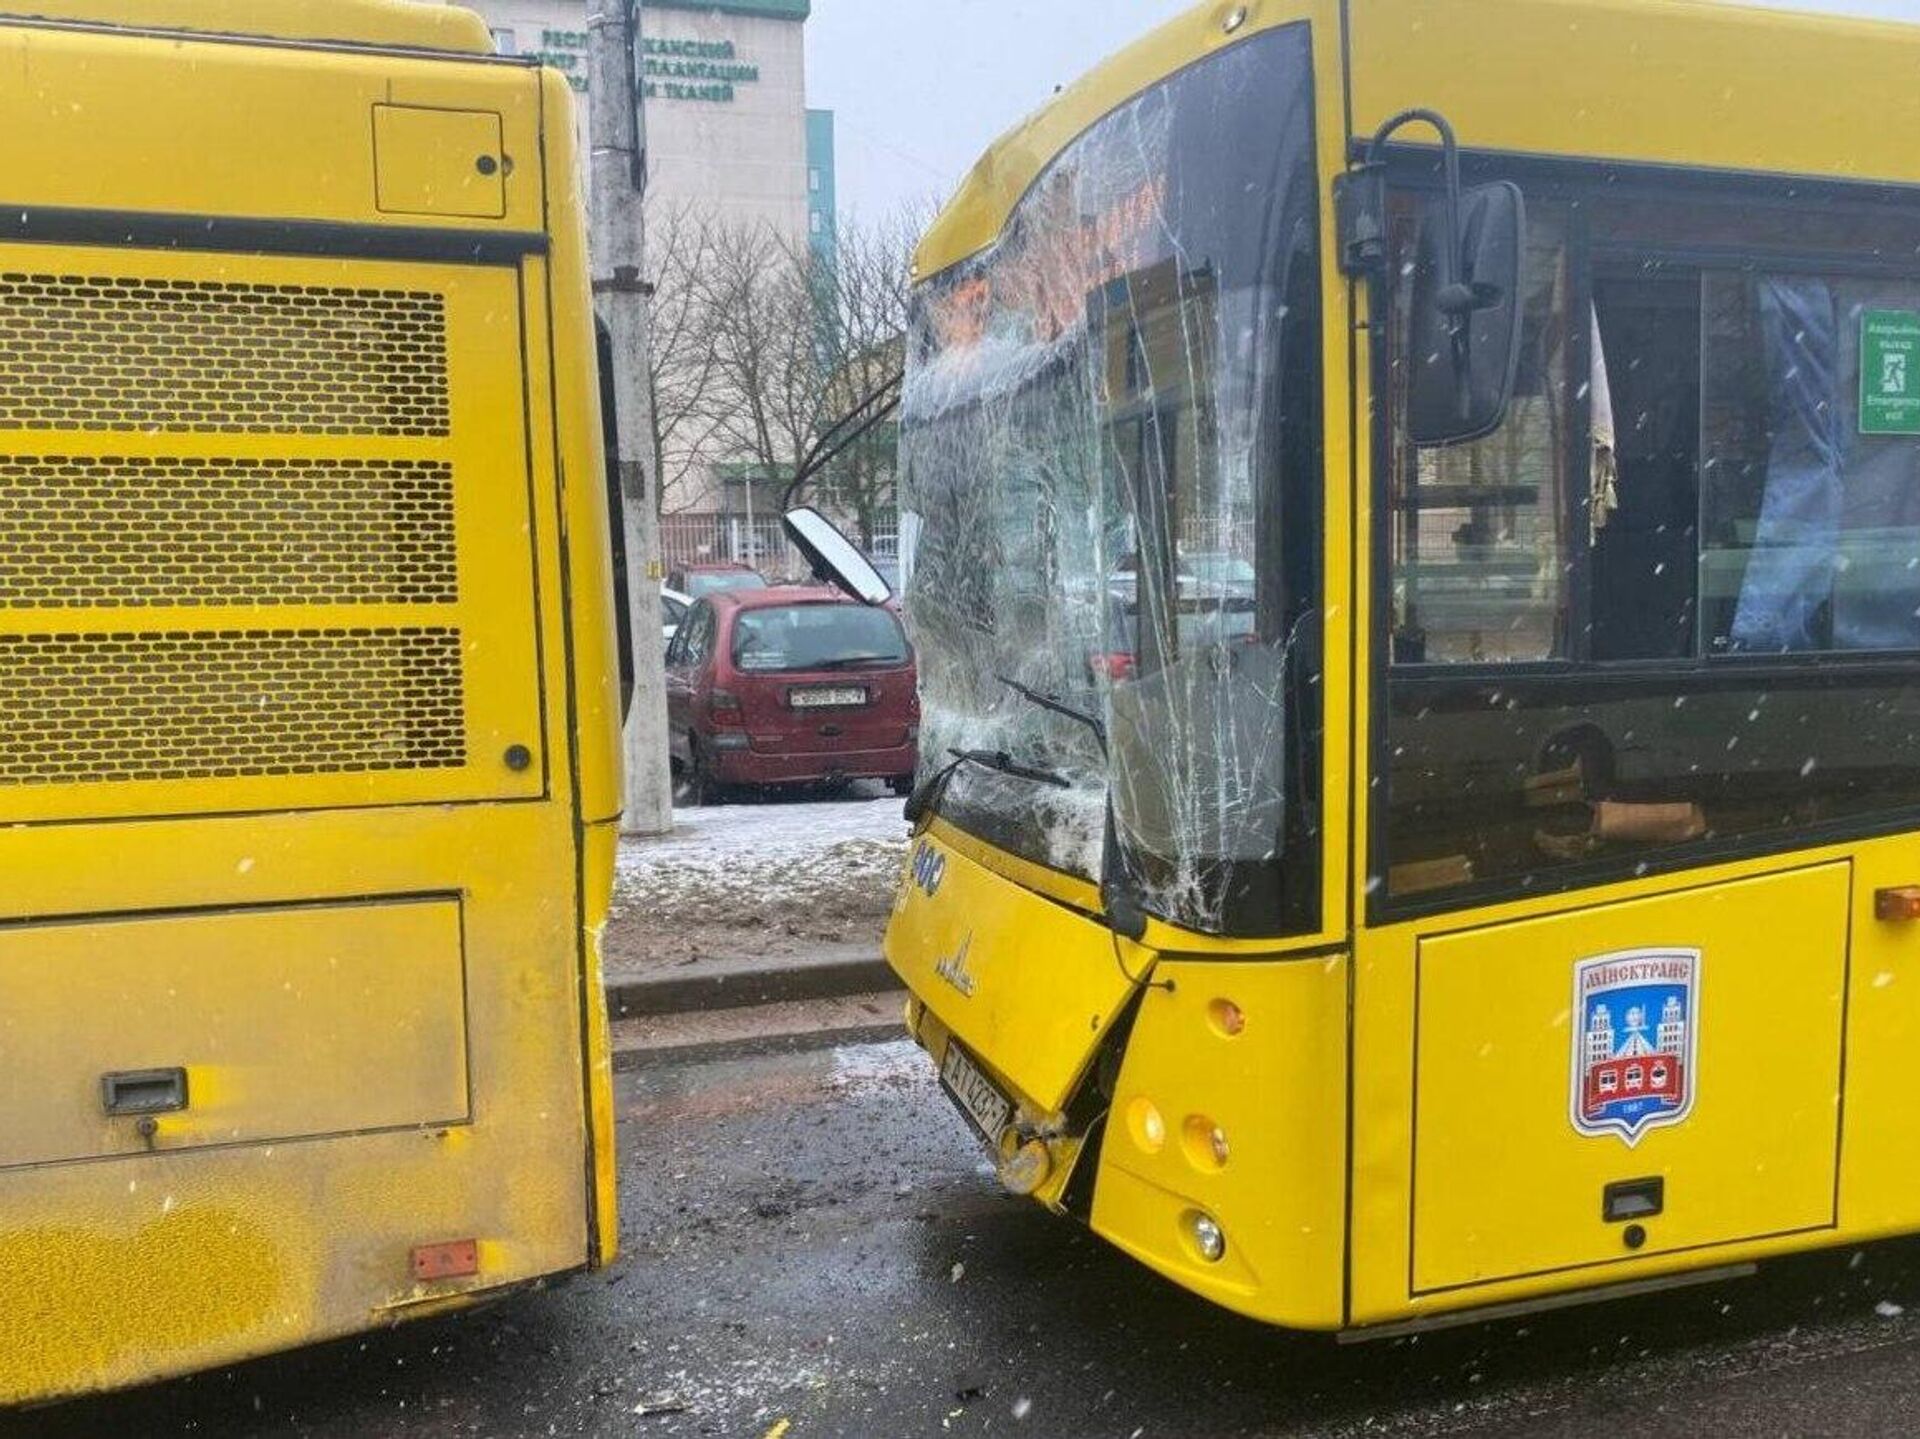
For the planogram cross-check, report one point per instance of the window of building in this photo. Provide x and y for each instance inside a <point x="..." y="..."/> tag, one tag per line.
<point x="816" y="222"/>
<point x="813" y="181"/>
<point x="504" y="42"/>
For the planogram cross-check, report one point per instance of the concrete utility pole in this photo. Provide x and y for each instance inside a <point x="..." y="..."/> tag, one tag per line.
<point x="619" y="247"/>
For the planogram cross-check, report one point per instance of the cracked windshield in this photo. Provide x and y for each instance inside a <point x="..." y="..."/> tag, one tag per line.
<point x="1109" y="428"/>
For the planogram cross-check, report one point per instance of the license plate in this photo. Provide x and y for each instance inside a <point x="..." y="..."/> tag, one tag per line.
<point x="820" y="699"/>
<point x="979" y="1099"/>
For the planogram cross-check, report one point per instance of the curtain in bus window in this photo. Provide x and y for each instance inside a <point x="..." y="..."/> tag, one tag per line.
<point x="1834" y="556"/>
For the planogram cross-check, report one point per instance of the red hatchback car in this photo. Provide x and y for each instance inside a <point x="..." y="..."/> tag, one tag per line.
<point x="790" y="685"/>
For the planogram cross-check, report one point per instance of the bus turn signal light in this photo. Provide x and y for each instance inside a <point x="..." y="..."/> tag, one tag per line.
<point x="1899" y="901"/>
<point x="454" y="1259"/>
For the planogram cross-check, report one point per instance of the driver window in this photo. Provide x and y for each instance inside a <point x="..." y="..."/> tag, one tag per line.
<point x="1708" y="488"/>
<point x="1481" y="530"/>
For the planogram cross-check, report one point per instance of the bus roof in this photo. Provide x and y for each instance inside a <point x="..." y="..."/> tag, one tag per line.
<point x="386" y="24"/>
<point x="973" y="219"/>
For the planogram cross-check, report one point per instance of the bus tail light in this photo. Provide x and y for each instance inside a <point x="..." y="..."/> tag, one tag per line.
<point x="451" y="1259"/>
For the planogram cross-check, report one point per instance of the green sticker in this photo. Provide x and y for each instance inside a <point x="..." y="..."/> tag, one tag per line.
<point x="1890" y="372"/>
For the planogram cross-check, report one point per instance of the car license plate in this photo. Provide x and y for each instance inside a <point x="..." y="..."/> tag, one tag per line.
<point x="827" y="698"/>
<point x="979" y="1099"/>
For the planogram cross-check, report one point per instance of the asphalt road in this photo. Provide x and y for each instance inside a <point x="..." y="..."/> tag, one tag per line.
<point x="812" y="1239"/>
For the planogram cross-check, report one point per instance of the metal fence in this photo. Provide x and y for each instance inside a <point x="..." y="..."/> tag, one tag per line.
<point x="712" y="539"/>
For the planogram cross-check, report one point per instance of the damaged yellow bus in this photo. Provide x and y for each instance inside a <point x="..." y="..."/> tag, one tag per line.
<point x="309" y="699"/>
<point x="1413" y="547"/>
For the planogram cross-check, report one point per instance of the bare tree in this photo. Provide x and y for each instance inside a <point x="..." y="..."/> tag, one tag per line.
<point x="862" y="285"/>
<point x="762" y="344"/>
<point x="681" y="243"/>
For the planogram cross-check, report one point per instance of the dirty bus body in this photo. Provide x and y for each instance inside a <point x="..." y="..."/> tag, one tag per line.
<point x="1489" y="816"/>
<point x="308" y="740"/>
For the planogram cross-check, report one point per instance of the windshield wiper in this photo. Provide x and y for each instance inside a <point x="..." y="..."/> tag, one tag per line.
<point x="1060" y="707"/>
<point x="1004" y="763"/>
<point x="847" y="662"/>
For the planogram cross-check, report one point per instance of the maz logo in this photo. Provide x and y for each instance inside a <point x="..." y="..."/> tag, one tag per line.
<point x="954" y="970"/>
<point x="929" y="868"/>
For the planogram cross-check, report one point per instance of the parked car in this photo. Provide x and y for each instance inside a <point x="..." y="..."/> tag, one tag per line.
<point x="790" y="685"/>
<point x="673" y="609"/>
<point x="700" y="580"/>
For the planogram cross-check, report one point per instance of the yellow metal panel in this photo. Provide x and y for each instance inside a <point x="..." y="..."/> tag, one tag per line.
<point x="1504" y="1186"/>
<point x="1880" y="1147"/>
<point x="566" y="365"/>
<point x="1661" y="81"/>
<point x="282" y="1019"/>
<point x="102" y="121"/>
<point x="362" y="22"/>
<point x="243" y="1249"/>
<point x="438" y="162"/>
<point x="1277" y="1093"/>
<point x="1029" y="987"/>
<point x="602" y="843"/>
<point x="446" y="668"/>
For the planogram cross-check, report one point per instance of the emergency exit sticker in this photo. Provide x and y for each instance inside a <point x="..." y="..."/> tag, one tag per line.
<point x="1890" y="372"/>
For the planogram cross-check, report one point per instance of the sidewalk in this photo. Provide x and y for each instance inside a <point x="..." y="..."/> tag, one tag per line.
<point x="755" y="926"/>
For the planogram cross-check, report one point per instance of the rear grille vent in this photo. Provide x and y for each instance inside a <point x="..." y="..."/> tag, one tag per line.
<point x="98" y="353"/>
<point x="109" y="532"/>
<point x="91" y="707"/>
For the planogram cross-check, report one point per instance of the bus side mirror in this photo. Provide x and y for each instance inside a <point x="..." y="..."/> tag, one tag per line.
<point x="1463" y="342"/>
<point x="833" y="557"/>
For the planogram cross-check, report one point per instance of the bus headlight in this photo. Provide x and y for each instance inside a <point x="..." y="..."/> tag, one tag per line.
<point x="1025" y="1168"/>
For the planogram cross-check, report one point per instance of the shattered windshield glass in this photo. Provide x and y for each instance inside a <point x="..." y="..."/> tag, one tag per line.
<point x="1110" y="496"/>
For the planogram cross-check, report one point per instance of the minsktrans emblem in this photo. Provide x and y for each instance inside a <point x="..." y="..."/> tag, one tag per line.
<point x="1635" y="1040"/>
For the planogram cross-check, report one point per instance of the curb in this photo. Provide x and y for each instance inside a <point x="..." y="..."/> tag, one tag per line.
<point x="743" y="988"/>
<point x="626" y="1061"/>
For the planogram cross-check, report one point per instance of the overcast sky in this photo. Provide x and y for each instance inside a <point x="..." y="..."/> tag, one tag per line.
<point x="922" y="86"/>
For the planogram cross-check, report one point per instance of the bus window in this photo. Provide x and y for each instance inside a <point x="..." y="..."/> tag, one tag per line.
<point x="1675" y="601"/>
<point x="1811" y="526"/>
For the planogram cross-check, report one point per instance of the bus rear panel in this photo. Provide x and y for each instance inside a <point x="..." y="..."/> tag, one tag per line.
<point x="307" y="746"/>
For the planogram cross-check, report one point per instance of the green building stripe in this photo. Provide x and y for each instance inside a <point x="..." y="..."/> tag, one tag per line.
<point x="765" y="9"/>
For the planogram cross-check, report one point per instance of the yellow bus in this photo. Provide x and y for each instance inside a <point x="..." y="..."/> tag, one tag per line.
<point x="308" y="692"/>
<point x="1414" y="555"/>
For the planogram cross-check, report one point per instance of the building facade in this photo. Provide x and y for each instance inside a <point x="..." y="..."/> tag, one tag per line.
<point x="728" y="135"/>
<point x="724" y="83"/>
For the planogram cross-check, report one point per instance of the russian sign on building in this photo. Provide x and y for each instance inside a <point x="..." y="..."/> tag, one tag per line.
<point x="692" y="70"/>
<point x="565" y="51"/>
<point x="670" y="69"/>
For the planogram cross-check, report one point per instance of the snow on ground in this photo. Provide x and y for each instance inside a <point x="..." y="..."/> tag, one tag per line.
<point x="743" y="880"/>
<point x="758" y="834"/>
